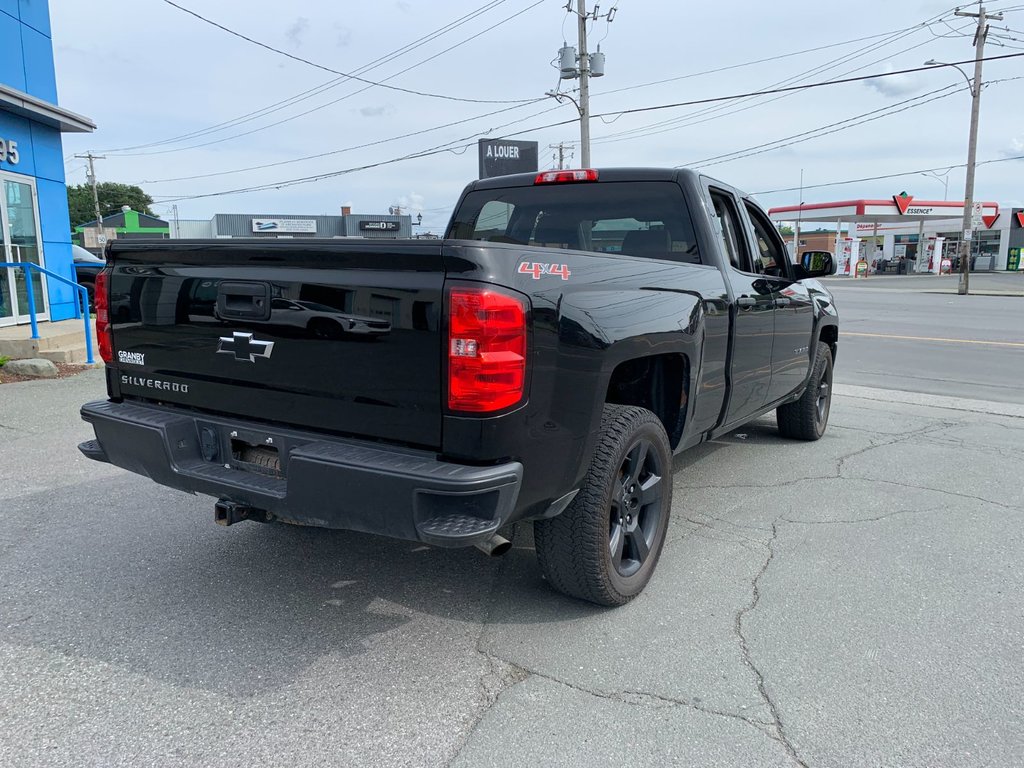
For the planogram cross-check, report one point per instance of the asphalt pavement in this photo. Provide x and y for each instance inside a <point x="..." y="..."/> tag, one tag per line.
<point x="916" y="334"/>
<point x="851" y="602"/>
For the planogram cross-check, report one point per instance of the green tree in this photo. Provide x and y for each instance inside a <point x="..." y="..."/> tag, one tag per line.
<point x="112" y="197"/>
<point x="785" y="229"/>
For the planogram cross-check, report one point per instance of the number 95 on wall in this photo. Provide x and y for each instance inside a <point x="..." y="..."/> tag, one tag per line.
<point x="9" y="152"/>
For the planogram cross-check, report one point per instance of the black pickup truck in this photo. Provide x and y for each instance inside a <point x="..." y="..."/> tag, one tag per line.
<point x="542" y="362"/>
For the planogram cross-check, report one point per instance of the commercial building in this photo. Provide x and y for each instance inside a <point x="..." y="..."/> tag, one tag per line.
<point x="921" y="234"/>
<point x="387" y="226"/>
<point x="126" y="224"/>
<point x="34" y="225"/>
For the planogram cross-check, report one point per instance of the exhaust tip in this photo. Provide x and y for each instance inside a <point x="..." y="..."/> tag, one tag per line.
<point x="495" y="546"/>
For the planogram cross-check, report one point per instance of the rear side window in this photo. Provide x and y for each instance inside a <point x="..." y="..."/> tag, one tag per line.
<point x="648" y="219"/>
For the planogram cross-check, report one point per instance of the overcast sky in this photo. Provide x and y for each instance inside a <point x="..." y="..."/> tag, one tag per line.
<point x="147" y="72"/>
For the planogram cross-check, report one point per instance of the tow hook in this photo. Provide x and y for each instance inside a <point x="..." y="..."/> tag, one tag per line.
<point x="230" y="512"/>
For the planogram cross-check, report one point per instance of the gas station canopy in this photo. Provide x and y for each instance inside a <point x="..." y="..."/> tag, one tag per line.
<point x="899" y="208"/>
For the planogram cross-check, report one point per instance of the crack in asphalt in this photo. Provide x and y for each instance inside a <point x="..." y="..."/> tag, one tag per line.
<point x="489" y="694"/>
<point x="866" y="519"/>
<point x="1011" y="507"/>
<point x="748" y="658"/>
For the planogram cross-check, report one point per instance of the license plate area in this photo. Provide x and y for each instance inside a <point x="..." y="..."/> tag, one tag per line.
<point x="248" y="450"/>
<point x="263" y="459"/>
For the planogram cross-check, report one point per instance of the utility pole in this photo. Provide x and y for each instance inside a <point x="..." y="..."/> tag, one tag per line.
<point x="582" y="66"/>
<point x="91" y="179"/>
<point x="972" y="144"/>
<point x="560" y="146"/>
<point x="581" y="14"/>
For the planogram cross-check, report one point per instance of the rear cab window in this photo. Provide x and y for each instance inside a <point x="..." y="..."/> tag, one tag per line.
<point x="649" y="219"/>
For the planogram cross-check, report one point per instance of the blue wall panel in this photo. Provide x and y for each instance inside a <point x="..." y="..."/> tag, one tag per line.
<point x="40" y="79"/>
<point x="49" y="153"/>
<point x="53" y="211"/>
<point x="56" y="232"/>
<point x="18" y="130"/>
<point x="59" y="260"/>
<point x="35" y="13"/>
<point x="26" y="63"/>
<point x="12" y="61"/>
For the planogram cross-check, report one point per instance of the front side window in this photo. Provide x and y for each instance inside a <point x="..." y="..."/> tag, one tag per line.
<point x="647" y="219"/>
<point x="730" y="234"/>
<point x="770" y="258"/>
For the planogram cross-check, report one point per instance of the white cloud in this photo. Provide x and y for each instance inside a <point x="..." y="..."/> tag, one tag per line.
<point x="295" y="32"/>
<point x="411" y="203"/>
<point x="895" y="85"/>
<point x="383" y="109"/>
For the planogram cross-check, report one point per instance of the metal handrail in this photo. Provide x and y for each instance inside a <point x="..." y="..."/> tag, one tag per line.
<point x="28" y="266"/>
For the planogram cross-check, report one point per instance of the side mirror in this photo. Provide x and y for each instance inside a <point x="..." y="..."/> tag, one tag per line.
<point x="817" y="263"/>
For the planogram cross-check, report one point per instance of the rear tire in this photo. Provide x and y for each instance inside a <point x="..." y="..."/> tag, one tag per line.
<point x="605" y="546"/>
<point x="807" y="418"/>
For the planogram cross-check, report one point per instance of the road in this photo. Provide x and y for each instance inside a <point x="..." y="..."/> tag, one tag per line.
<point x="852" y="602"/>
<point x="897" y="336"/>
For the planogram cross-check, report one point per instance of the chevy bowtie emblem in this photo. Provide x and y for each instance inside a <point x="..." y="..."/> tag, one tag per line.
<point x="244" y="347"/>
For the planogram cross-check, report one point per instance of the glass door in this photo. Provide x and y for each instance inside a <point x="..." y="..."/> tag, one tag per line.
<point x="19" y="215"/>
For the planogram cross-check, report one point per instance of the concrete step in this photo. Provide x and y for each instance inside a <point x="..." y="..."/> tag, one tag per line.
<point x="72" y="355"/>
<point x="28" y="347"/>
<point x="59" y="342"/>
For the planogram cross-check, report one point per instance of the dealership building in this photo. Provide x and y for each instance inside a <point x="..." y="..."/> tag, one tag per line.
<point x="34" y="225"/>
<point x="389" y="226"/>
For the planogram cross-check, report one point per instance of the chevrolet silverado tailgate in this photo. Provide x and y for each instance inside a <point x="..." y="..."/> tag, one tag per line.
<point x="336" y="335"/>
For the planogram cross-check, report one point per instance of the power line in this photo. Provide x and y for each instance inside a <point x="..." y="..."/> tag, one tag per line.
<point x="455" y="146"/>
<point x="345" y="74"/>
<point x="803" y="87"/>
<point x="323" y="87"/>
<point x="887" y="176"/>
<point x="845" y="124"/>
<point x="348" y="149"/>
<point x="672" y="124"/>
<point x="346" y="96"/>
<point x="836" y="127"/>
<point x="759" y="61"/>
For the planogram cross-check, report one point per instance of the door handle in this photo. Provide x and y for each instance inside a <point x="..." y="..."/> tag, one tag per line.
<point x="746" y="302"/>
<point x="243" y="301"/>
<point x="782" y="301"/>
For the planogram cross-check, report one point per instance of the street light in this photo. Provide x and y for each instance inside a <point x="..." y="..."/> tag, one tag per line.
<point x="943" y="177"/>
<point x="972" y="154"/>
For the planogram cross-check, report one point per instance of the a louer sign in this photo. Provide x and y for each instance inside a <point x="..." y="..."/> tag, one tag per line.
<point x="500" y="157"/>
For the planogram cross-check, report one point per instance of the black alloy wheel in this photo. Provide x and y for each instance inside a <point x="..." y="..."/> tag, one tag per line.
<point x="635" y="508"/>
<point x="605" y="546"/>
<point x="807" y="418"/>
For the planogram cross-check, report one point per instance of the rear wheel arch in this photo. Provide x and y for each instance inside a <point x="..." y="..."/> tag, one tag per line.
<point x="658" y="383"/>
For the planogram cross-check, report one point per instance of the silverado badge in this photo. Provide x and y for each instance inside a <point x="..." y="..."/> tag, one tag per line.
<point x="244" y="347"/>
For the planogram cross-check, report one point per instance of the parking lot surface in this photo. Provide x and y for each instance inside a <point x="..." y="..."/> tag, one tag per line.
<point x="851" y="602"/>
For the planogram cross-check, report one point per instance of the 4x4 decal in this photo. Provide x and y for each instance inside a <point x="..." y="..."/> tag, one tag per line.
<point x="538" y="270"/>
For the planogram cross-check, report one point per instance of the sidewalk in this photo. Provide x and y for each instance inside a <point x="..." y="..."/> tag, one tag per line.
<point x="981" y="283"/>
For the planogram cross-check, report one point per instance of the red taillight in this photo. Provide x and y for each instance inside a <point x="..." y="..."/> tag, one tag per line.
<point x="561" y="177"/>
<point x="486" y="350"/>
<point x="101" y="300"/>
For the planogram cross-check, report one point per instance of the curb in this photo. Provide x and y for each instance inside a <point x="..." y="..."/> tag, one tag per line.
<point x="930" y="401"/>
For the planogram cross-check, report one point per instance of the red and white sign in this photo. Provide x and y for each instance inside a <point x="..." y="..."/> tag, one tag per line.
<point x="1020" y="218"/>
<point x="903" y="202"/>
